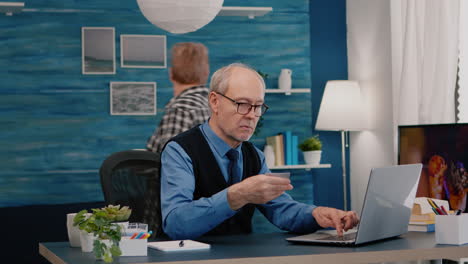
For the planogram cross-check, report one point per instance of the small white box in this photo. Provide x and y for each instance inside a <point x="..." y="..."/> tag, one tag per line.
<point x="451" y="229"/>
<point x="133" y="247"/>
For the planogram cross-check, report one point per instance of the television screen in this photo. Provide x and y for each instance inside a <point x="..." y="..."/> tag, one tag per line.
<point x="443" y="151"/>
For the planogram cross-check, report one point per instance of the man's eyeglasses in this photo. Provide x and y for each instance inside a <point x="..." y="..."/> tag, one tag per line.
<point x="244" y="108"/>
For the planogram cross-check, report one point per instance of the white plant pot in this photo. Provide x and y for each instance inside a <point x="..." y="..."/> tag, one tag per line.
<point x="312" y="157"/>
<point x="87" y="241"/>
<point x="73" y="231"/>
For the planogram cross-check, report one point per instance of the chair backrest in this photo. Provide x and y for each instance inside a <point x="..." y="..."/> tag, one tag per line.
<point x="132" y="178"/>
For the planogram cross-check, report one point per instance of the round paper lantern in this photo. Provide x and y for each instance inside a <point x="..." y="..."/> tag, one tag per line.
<point x="180" y="16"/>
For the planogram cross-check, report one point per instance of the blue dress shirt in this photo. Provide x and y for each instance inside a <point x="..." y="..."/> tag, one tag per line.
<point x="185" y="218"/>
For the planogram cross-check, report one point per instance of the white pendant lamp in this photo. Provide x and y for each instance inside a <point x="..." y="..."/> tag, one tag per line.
<point x="180" y="16"/>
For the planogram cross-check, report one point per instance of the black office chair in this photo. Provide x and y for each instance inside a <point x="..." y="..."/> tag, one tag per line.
<point x="132" y="178"/>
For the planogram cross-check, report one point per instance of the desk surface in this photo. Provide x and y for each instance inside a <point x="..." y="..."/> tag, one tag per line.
<point x="273" y="248"/>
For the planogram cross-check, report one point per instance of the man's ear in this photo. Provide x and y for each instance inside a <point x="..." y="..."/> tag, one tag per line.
<point x="214" y="102"/>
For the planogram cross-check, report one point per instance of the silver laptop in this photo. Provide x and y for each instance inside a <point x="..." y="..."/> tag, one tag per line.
<point x="386" y="209"/>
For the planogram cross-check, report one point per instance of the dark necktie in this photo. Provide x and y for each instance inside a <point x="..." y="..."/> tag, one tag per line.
<point x="233" y="157"/>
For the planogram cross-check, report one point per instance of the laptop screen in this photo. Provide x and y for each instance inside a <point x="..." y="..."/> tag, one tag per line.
<point x="389" y="199"/>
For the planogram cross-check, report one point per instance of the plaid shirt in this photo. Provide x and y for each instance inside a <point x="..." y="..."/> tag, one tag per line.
<point x="183" y="112"/>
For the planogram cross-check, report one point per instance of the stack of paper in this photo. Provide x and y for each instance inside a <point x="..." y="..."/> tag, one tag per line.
<point x="178" y="245"/>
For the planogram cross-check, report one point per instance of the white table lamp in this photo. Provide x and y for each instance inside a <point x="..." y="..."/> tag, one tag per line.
<point x="341" y="110"/>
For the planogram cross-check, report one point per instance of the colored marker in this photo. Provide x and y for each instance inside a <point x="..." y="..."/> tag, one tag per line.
<point x="443" y="210"/>
<point x="140" y="235"/>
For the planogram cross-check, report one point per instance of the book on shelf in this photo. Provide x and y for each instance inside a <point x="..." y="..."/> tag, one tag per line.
<point x="284" y="146"/>
<point x="295" y="152"/>
<point x="287" y="139"/>
<point x="280" y="142"/>
<point x="275" y="143"/>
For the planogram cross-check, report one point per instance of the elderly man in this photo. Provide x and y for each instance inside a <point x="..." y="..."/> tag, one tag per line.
<point x="212" y="178"/>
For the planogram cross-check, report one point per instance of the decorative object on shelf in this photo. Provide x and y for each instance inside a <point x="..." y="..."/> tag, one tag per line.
<point x="101" y="229"/>
<point x="180" y="16"/>
<point x="341" y="110"/>
<point x="284" y="79"/>
<point x="269" y="155"/>
<point x="312" y="150"/>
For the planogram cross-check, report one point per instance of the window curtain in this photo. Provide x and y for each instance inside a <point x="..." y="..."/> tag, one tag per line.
<point x="424" y="58"/>
<point x="462" y="100"/>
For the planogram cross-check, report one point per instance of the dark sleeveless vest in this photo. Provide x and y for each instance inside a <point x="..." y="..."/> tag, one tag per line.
<point x="209" y="180"/>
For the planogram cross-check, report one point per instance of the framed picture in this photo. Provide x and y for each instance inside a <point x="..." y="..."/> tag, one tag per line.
<point x="98" y="50"/>
<point x="133" y="98"/>
<point x="143" y="51"/>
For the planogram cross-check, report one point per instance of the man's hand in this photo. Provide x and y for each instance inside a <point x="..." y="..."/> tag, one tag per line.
<point x="257" y="189"/>
<point x="338" y="219"/>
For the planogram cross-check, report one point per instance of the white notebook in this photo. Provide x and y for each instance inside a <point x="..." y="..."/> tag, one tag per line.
<point x="176" y="246"/>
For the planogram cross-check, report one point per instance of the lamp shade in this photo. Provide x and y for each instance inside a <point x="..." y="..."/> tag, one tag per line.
<point x="180" y="16"/>
<point x="341" y="107"/>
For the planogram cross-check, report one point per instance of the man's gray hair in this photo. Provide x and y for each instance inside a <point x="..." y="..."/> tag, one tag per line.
<point x="220" y="80"/>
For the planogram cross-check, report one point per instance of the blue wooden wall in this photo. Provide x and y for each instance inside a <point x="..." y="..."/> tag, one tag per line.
<point x="56" y="128"/>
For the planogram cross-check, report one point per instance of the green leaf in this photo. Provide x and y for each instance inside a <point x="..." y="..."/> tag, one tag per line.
<point x="115" y="250"/>
<point x="310" y="144"/>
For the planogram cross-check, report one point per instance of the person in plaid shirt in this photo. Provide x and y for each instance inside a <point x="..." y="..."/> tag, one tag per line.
<point x="189" y="106"/>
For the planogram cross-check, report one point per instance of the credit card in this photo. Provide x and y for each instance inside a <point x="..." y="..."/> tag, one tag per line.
<point x="285" y="175"/>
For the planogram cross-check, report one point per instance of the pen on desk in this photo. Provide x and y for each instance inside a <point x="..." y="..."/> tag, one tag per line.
<point x="181" y="243"/>
<point x="435" y="207"/>
<point x="432" y="203"/>
<point x="443" y="210"/>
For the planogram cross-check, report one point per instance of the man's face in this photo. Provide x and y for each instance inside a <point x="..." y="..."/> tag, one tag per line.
<point x="244" y="87"/>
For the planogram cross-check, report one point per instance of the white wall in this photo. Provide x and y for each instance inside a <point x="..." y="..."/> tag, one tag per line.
<point x="369" y="62"/>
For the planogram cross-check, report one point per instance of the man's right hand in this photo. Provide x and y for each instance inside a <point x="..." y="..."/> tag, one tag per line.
<point x="257" y="189"/>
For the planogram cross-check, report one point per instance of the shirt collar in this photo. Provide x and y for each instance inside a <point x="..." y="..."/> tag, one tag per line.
<point x="190" y="90"/>
<point x="218" y="144"/>
<point x="193" y="89"/>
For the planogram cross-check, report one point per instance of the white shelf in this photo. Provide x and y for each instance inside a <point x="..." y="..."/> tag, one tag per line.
<point x="250" y="12"/>
<point x="9" y="8"/>
<point x="288" y="92"/>
<point x="302" y="166"/>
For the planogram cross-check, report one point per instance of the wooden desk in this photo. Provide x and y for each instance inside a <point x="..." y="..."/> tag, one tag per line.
<point x="274" y="249"/>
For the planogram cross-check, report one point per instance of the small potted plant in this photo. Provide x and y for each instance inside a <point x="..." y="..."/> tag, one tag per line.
<point x="312" y="150"/>
<point x="102" y="226"/>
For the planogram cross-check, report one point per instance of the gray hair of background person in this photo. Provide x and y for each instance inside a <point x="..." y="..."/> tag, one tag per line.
<point x="189" y="63"/>
<point x="220" y="79"/>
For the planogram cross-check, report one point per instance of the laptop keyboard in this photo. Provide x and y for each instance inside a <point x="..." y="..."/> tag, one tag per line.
<point x="350" y="236"/>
